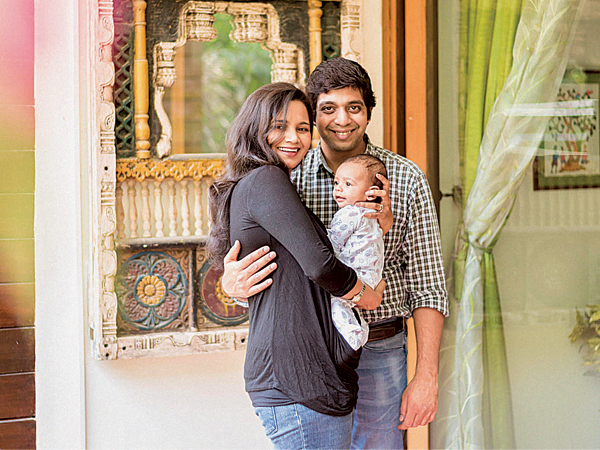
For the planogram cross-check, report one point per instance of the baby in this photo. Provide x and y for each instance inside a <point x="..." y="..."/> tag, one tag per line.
<point x="357" y="241"/>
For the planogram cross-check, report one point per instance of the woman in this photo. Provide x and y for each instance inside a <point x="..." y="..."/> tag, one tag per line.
<point x="299" y="370"/>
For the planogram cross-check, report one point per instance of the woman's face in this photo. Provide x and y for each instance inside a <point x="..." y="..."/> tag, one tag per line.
<point x="291" y="135"/>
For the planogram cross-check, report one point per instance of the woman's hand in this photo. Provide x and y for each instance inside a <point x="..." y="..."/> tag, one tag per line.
<point x="381" y="211"/>
<point x="371" y="299"/>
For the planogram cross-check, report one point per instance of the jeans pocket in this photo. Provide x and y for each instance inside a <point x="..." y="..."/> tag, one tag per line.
<point x="266" y="414"/>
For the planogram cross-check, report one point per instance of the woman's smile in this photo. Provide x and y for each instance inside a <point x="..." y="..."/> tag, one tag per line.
<point x="290" y="136"/>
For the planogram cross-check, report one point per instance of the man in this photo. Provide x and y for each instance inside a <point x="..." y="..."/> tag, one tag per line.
<point x="341" y="95"/>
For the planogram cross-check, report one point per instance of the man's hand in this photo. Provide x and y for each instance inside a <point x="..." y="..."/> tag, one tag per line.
<point x="243" y="279"/>
<point x="382" y="211"/>
<point x="419" y="402"/>
<point x="420" y="398"/>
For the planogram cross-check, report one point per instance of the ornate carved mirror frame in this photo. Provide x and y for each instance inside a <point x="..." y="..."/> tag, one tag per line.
<point x="254" y="22"/>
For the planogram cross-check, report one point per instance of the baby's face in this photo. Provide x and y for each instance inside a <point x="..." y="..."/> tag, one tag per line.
<point x="350" y="185"/>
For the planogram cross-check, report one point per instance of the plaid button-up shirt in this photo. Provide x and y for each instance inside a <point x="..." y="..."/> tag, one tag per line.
<point x="413" y="268"/>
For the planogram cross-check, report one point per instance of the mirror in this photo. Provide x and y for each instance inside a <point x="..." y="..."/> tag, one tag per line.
<point x="241" y="40"/>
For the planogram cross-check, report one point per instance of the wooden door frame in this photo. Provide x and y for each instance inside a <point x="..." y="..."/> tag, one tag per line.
<point x="410" y="84"/>
<point x="393" y="98"/>
<point x="410" y="116"/>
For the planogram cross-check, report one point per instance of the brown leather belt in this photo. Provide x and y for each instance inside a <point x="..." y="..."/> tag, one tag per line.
<point x="386" y="330"/>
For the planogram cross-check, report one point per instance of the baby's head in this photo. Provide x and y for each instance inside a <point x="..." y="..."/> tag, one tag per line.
<point x="354" y="177"/>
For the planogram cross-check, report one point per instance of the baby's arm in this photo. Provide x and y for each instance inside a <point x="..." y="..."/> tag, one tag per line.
<point x="345" y="222"/>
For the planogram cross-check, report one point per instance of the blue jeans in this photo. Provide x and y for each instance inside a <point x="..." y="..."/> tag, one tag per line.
<point x="381" y="382"/>
<point x="298" y="427"/>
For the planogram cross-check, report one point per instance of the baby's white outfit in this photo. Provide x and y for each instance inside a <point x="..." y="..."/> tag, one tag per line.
<point x="358" y="243"/>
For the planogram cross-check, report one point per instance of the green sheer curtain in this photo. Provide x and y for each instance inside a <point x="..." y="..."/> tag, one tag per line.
<point x="512" y="52"/>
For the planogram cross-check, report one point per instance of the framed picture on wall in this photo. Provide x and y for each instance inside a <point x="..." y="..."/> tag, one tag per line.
<point x="569" y="153"/>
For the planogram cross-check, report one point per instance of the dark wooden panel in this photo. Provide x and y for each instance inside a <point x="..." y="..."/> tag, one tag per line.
<point x="17" y="305"/>
<point x="17" y="396"/>
<point x="433" y="145"/>
<point x="17" y="434"/>
<point x="17" y="350"/>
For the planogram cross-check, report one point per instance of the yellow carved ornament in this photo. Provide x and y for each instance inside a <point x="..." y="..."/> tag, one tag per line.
<point x="159" y="170"/>
<point x="227" y="301"/>
<point x="151" y="290"/>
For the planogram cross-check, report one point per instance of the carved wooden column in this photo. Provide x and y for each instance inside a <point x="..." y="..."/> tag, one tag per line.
<point x="164" y="58"/>
<point x="352" y="45"/>
<point x="195" y="24"/>
<point x="314" y="30"/>
<point x="105" y="319"/>
<point x="140" y="81"/>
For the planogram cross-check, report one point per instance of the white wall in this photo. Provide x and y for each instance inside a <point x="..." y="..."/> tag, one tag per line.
<point x="179" y="402"/>
<point x="548" y="263"/>
<point x="60" y="329"/>
<point x="175" y="402"/>
<point x="448" y="19"/>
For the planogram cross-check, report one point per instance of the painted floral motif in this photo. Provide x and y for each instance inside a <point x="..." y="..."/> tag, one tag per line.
<point x="152" y="290"/>
<point x="214" y="304"/>
<point x="226" y="300"/>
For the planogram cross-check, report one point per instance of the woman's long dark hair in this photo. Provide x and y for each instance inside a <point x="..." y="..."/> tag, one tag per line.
<point x="248" y="149"/>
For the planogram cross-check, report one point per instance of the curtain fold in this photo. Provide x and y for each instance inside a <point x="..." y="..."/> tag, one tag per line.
<point x="480" y="16"/>
<point x="475" y="409"/>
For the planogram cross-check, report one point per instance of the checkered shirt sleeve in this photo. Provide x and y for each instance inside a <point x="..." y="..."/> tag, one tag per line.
<point x="413" y="268"/>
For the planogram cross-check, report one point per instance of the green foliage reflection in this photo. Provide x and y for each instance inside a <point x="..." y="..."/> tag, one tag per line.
<point x="218" y="76"/>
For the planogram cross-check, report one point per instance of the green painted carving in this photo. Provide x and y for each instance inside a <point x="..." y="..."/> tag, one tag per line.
<point x="123" y="90"/>
<point x="331" y="37"/>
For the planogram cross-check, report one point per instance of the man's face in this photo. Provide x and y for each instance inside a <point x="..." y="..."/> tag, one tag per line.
<point x="341" y="120"/>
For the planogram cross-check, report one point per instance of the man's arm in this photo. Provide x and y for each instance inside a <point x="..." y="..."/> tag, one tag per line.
<point x="242" y="279"/>
<point x="420" y="399"/>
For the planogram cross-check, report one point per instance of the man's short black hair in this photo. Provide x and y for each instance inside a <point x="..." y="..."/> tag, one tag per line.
<point x="339" y="73"/>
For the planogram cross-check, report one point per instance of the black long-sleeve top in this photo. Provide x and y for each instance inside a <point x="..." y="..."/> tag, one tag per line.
<point x="293" y="345"/>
